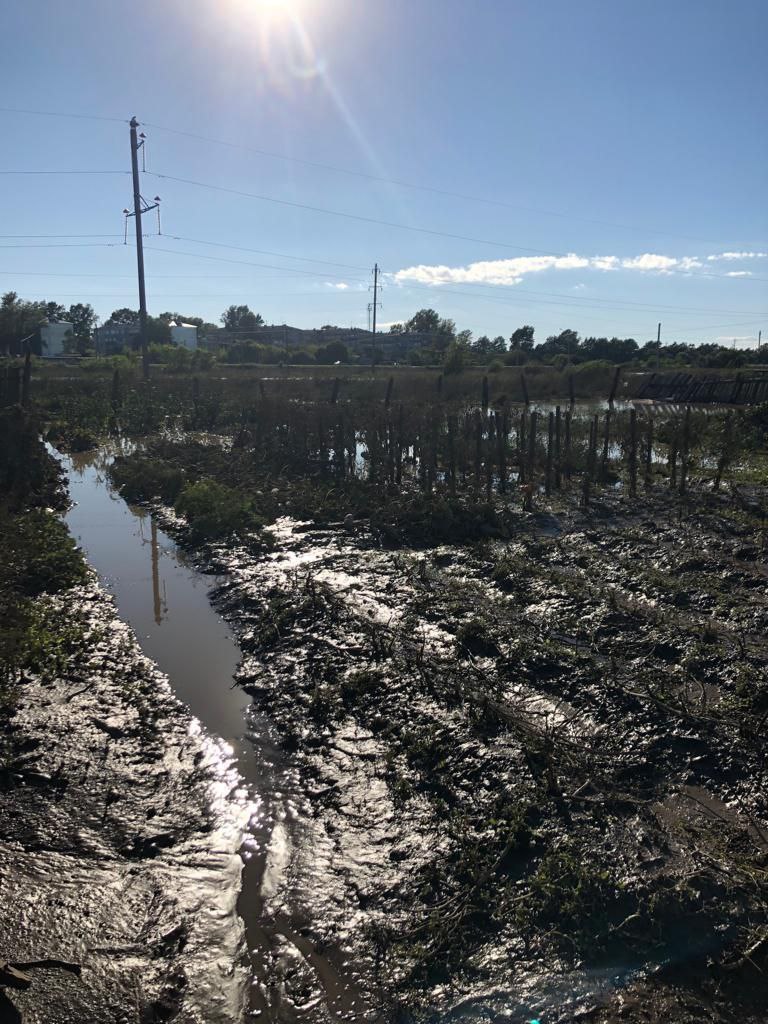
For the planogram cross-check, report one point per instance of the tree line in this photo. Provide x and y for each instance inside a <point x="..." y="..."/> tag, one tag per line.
<point x="425" y="339"/>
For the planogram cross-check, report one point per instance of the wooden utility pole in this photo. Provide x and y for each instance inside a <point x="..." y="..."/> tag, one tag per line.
<point x="140" y="206"/>
<point x="658" y="346"/>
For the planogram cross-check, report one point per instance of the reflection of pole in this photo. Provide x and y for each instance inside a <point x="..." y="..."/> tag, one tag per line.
<point x="156" y="576"/>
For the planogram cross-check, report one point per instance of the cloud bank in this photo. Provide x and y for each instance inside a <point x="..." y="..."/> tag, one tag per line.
<point x="512" y="271"/>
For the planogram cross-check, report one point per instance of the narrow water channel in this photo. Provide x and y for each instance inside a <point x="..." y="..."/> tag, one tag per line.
<point x="160" y="595"/>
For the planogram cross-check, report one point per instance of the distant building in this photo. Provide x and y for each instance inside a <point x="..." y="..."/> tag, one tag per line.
<point x="359" y="342"/>
<point x="111" y="339"/>
<point x="184" y="335"/>
<point x="53" y="337"/>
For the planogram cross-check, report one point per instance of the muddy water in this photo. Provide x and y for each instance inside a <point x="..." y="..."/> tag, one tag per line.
<point x="160" y="595"/>
<point x="166" y="601"/>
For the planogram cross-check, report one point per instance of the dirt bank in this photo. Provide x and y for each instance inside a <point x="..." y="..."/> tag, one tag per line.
<point x="531" y="772"/>
<point x="119" y="853"/>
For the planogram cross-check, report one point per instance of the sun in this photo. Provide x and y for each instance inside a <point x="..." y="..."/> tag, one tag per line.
<point x="275" y="8"/>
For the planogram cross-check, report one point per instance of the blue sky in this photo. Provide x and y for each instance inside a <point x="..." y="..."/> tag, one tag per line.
<point x="595" y="165"/>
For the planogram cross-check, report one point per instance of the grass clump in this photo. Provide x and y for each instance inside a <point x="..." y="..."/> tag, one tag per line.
<point x="213" y="510"/>
<point x="140" y="478"/>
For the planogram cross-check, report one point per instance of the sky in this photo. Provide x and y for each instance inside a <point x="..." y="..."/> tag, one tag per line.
<point x="592" y="165"/>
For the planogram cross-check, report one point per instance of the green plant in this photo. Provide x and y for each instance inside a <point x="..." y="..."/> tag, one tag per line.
<point x="213" y="510"/>
<point x="140" y="478"/>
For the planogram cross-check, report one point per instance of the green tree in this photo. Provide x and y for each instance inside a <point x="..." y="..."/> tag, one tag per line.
<point x="333" y="352"/>
<point x="455" y="357"/>
<point x="522" y="339"/>
<point x="241" y="318"/>
<point x="83" y="319"/>
<point x="124" y="316"/>
<point x="179" y="318"/>
<point x="481" y="346"/>
<point x="566" y="343"/>
<point x="55" y="312"/>
<point x="19" y="323"/>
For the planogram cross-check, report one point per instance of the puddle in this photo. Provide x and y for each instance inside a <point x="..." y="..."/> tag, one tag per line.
<point x="160" y="595"/>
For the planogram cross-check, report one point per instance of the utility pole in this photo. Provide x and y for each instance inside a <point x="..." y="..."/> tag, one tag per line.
<point x="658" y="346"/>
<point x="140" y="206"/>
<point x="759" y="339"/>
<point x="375" y="293"/>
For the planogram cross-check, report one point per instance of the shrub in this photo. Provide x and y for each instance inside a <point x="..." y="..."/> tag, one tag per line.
<point x="140" y="479"/>
<point x="37" y="554"/>
<point x="213" y="510"/>
<point x="455" y="358"/>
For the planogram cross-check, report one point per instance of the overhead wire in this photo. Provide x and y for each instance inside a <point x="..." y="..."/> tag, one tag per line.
<point x="390" y="224"/>
<point x="63" y="172"/>
<point x="352" y="172"/>
<point x="61" y="113"/>
<point x="259" y="151"/>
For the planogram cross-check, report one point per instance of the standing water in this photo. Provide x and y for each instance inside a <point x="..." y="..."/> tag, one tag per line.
<point x="165" y="600"/>
<point x="160" y="595"/>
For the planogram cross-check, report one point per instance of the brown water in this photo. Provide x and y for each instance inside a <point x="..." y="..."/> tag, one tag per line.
<point x="160" y="595"/>
<point x="165" y="600"/>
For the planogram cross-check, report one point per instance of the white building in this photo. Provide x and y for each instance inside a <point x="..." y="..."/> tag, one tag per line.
<point x="52" y="337"/>
<point x="184" y="335"/>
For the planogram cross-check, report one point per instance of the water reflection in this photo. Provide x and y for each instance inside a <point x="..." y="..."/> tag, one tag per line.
<point x="160" y="594"/>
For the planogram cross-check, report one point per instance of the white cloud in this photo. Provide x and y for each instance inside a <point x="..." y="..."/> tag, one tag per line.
<point x="650" y="261"/>
<point x="737" y="256"/>
<point x="341" y="286"/>
<point x="739" y="273"/>
<point x="502" y="272"/>
<point x="605" y="262"/>
<point x="509" y="272"/>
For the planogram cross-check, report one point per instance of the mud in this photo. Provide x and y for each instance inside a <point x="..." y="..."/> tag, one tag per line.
<point x="531" y="775"/>
<point x="120" y="822"/>
<point x="499" y="780"/>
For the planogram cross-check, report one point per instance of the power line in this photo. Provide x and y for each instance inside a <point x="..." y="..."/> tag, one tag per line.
<point x="518" y="291"/>
<point x="166" y="277"/>
<point x="67" y="245"/>
<point x="422" y="188"/>
<point x="59" y="113"/>
<point x="390" y="224"/>
<point x="352" y="216"/>
<point x="617" y="303"/>
<point x="64" y="172"/>
<point x="344" y="170"/>
<point x="245" y="263"/>
<point x="94" y="235"/>
<point x="265" y="252"/>
<point x="504" y="299"/>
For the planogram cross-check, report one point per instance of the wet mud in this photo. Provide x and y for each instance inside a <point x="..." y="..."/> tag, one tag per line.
<point x="120" y="824"/>
<point x="529" y="775"/>
<point x="502" y="780"/>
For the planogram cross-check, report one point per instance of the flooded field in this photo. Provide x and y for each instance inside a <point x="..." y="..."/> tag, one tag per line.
<point x="477" y="696"/>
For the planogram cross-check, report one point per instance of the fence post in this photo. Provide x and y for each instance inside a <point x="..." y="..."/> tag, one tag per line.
<point x="633" y="452"/>
<point x="684" y="453"/>
<point x="26" y="379"/>
<point x="649" y="456"/>
<point x="532" y="448"/>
